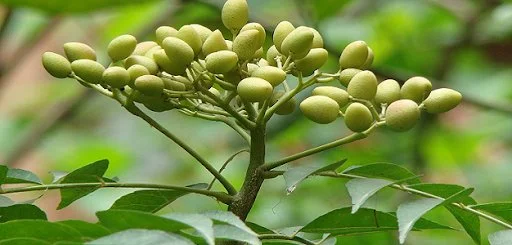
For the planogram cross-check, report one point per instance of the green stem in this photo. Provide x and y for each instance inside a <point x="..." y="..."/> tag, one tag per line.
<point x="348" y="139"/>
<point x="222" y="197"/>
<point x="287" y="238"/>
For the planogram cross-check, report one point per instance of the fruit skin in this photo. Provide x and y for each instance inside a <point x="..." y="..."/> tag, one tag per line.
<point x="283" y="29"/>
<point x="116" y="77"/>
<point x="244" y="44"/>
<point x="318" y="41"/>
<point x="121" y="47"/>
<point x="203" y="31"/>
<point x="89" y="70"/>
<point x="286" y="108"/>
<point x="347" y="74"/>
<point x="173" y="67"/>
<point x="258" y="27"/>
<point x="215" y="42"/>
<point x="363" y="85"/>
<point x="77" y="51"/>
<point x="272" y="53"/>
<point x="335" y="93"/>
<point x="235" y="14"/>
<point x="298" y="43"/>
<point x="188" y="34"/>
<point x="315" y="59"/>
<point x="388" y="91"/>
<point x="271" y="74"/>
<point x="149" y="63"/>
<point x="221" y="61"/>
<point x="416" y="89"/>
<point x="369" y="60"/>
<point x="442" y="100"/>
<point x="402" y="115"/>
<point x="254" y="89"/>
<point x="354" y="55"/>
<point x="56" y="65"/>
<point x="149" y="85"/>
<point x="173" y="85"/>
<point x="358" y="117"/>
<point x="136" y="71"/>
<point x="143" y="47"/>
<point x="320" y="109"/>
<point x="178" y="49"/>
<point x="164" y="32"/>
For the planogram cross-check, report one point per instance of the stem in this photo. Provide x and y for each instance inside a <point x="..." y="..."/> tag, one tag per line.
<point x="348" y="139"/>
<point x="254" y="177"/>
<point x="283" y="237"/>
<point x="222" y="197"/>
<point x="137" y="112"/>
<point x="226" y="164"/>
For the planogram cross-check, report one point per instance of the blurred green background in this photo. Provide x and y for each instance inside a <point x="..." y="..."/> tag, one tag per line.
<point x="48" y="124"/>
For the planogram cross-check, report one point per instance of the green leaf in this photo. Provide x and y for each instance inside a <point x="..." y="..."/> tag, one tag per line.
<point x="23" y="241"/>
<point x="362" y="189"/>
<point x="408" y="213"/>
<point x="343" y="222"/>
<point x="259" y="229"/>
<point x="5" y="201"/>
<point x="384" y="171"/>
<point x="200" y="223"/>
<point x="38" y="229"/>
<point x="229" y="218"/>
<point x="294" y="176"/>
<point x="90" y="173"/>
<point x="62" y="6"/>
<point x="87" y="230"/>
<point x="21" y="211"/>
<point x="230" y="232"/>
<point x="3" y="173"/>
<point x="499" y="209"/>
<point x="20" y="176"/>
<point x="324" y="9"/>
<point x="141" y="236"/>
<point x="469" y="221"/>
<point x="501" y="238"/>
<point x="151" y="200"/>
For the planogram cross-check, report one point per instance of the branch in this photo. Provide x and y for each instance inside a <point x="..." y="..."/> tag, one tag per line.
<point x="221" y="196"/>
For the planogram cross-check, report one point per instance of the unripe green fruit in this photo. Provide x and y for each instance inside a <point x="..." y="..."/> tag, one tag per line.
<point x="188" y="84"/>
<point x="215" y="42"/>
<point x="245" y="45"/>
<point x="442" y="100"/>
<point x="149" y="85"/>
<point x="320" y="109"/>
<point x="89" y="70"/>
<point x="354" y="55"/>
<point x="143" y="47"/>
<point x="235" y="14"/>
<point x="232" y="77"/>
<point x="121" y="47"/>
<point x="402" y="115"/>
<point x="258" y="54"/>
<point x="229" y="43"/>
<point x="142" y="60"/>
<point x="188" y="34"/>
<point x="136" y="71"/>
<point x="164" y="32"/>
<point x="177" y="49"/>
<point x="215" y="92"/>
<point x="318" y="41"/>
<point x="337" y="94"/>
<point x="363" y="86"/>
<point x="369" y="60"/>
<point x="258" y="27"/>
<point x="116" y="77"/>
<point x="358" y="117"/>
<point x="254" y="89"/>
<point x="77" y="51"/>
<point x="272" y="53"/>
<point x="388" y="91"/>
<point x="170" y="84"/>
<point x="262" y="62"/>
<point x="315" y="59"/>
<point x="152" y="51"/>
<point x="283" y="29"/>
<point x="159" y="105"/>
<point x="347" y="75"/>
<point x="56" y="65"/>
<point x="273" y="75"/>
<point x="171" y="66"/>
<point x="251" y="68"/>
<point x="298" y="43"/>
<point x="287" y="108"/>
<point x="204" y="32"/>
<point x="221" y="61"/>
<point x="416" y="89"/>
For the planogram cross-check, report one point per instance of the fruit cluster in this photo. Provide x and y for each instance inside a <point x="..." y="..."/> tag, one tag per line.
<point x="198" y="72"/>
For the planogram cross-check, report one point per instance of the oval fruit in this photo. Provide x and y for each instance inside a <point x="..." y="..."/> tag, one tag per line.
<point x="315" y="59"/>
<point x="244" y="44"/>
<point x="149" y="63"/>
<point x="121" y="47"/>
<point x="298" y="43"/>
<point x="254" y="89"/>
<point x="116" y="77"/>
<point x="235" y="14"/>
<point x="354" y="55"/>
<point x="258" y="27"/>
<point x="387" y="91"/>
<point x="136" y="71"/>
<point x="149" y="85"/>
<point x="273" y="75"/>
<point x="215" y="42"/>
<point x="89" y="70"/>
<point x="442" y="100"/>
<point x="402" y="115"/>
<point x="363" y="85"/>
<point x="164" y="32"/>
<point x="177" y="49"/>
<point x="283" y="29"/>
<point x="221" y="61"/>
<point x="416" y="89"/>
<point x="320" y="109"/>
<point x="347" y="74"/>
<point x="358" y="117"/>
<point x="335" y="93"/>
<point x="56" y="65"/>
<point x="188" y="34"/>
<point x="77" y="51"/>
